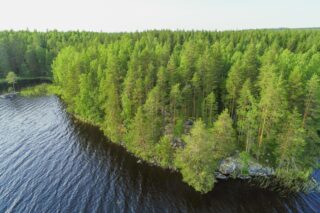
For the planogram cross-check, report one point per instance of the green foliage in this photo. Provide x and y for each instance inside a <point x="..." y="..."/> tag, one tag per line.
<point x="30" y="54"/>
<point x="67" y="69"/>
<point x="209" y="108"/>
<point x="293" y="179"/>
<point x="196" y="161"/>
<point x="11" y="79"/>
<point x="178" y="128"/>
<point x="233" y="86"/>
<point x="143" y="89"/>
<point x="138" y="142"/>
<point x="311" y="120"/>
<point x="271" y="107"/>
<point x="250" y="63"/>
<point x="165" y="152"/>
<point x="291" y="143"/>
<point x="245" y="158"/>
<point x="175" y="101"/>
<point x="113" y="124"/>
<point x="247" y="121"/>
<point x="296" y="90"/>
<point x="224" y="135"/>
<point x="39" y="90"/>
<point x="153" y="115"/>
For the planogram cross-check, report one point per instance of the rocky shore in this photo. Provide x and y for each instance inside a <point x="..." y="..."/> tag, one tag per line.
<point x="9" y="95"/>
<point x="234" y="167"/>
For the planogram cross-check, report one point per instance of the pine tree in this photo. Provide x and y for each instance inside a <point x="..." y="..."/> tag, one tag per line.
<point x="224" y="135"/>
<point x="233" y="86"/>
<point x="250" y="63"/>
<point x="137" y="140"/>
<point x="272" y="105"/>
<point x="143" y="87"/>
<point x="133" y="90"/>
<point x="311" y="120"/>
<point x="206" y="69"/>
<point x="196" y="83"/>
<point x="188" y="61"/>
<point x="67" y="68"/>
<point x="173" y="67"/>
<point x="153" y="115"/>
<point x="113" y="123"/>
<point x="218" y="68"/>
<point x="165" y="151"/>
<point x="312" y="102"/>
<point x="291" y="142"/>
<point x="247" y="117"/>
<point x="196" y="161"/>
<point x="175" y="101"/>
<point x="209" y="108"/>
<point x="86" y="101"/>
<point x="292" y="166"/>
<point x="295" y="90"/>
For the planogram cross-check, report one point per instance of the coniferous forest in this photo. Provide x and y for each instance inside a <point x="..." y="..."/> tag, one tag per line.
<point x="185" y="100"/>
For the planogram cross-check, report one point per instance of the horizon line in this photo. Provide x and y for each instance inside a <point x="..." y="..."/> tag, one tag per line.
<point x="160" y="29"/>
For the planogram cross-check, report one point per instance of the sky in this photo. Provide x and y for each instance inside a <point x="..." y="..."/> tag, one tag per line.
<point x="139" y="15"/>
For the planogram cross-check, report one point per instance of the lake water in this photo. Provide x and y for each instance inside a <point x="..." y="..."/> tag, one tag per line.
<point x="51" y="163"/>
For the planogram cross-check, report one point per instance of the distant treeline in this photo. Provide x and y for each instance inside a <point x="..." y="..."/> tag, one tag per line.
<point x="30" y="54"/>
<point x="253" y="92"/>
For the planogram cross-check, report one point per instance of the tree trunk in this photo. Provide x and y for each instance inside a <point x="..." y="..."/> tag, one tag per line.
<point x="305" y="115"/>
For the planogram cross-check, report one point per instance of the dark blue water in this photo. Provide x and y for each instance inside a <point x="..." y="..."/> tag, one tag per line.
<point x="51" y="163"/>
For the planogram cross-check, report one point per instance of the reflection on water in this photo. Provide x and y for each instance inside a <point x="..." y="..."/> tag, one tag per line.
<point x="51" y="163"/>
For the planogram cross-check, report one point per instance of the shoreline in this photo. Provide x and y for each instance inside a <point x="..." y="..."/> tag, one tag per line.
<point x="229" y="168"/>
<point x="264" y="180"/>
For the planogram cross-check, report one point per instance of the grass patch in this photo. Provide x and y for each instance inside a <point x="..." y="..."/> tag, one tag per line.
<point x="38" y="90"/>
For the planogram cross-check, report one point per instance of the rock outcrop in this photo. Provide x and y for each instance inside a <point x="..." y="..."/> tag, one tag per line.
<point x="234" y="167"/>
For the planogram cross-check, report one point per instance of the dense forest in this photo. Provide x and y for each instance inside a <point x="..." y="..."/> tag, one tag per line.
<point x="30" y="54"/>
<point x="256" y="93"/>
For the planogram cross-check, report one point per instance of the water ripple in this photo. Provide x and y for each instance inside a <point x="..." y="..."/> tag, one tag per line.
<point x="49" y="163"/>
